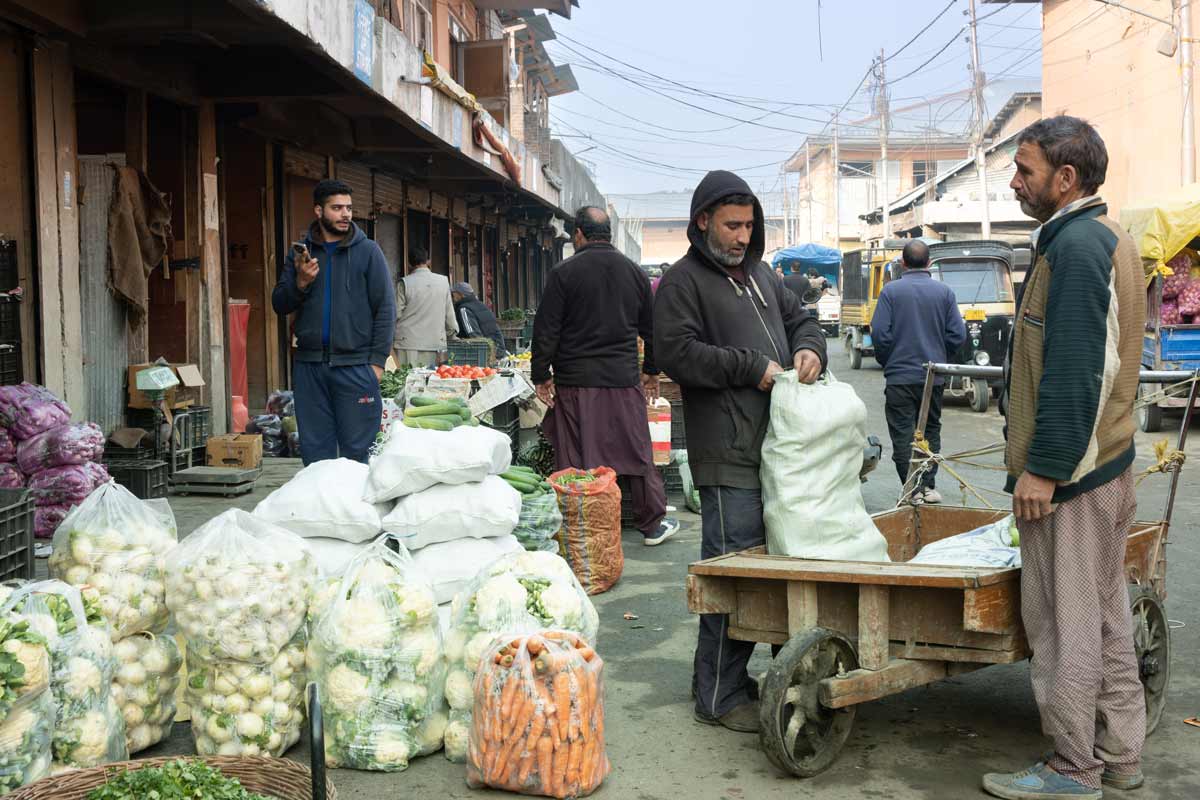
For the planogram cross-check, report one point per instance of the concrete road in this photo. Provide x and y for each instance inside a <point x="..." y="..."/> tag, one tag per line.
<point x="932" y="742"/>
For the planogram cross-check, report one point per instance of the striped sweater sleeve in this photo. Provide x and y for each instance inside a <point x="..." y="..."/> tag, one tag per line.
<point x="1075" y="349"/>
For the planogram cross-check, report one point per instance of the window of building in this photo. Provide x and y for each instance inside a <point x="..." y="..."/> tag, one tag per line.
<point x="856" y="169"/>
<point x="923" y="171"/>
<point x="458" y="37"/>
<point x="418" y="23"/>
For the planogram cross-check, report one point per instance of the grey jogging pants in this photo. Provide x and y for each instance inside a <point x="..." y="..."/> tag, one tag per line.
<point x="732" y="520"/>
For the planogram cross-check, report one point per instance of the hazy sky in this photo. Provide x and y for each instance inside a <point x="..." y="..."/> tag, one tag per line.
<point x="767" y="55"/>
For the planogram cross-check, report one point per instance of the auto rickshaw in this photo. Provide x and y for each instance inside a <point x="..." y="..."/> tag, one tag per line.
<point x="864" y="273"/>
<point x="980" y="273"/>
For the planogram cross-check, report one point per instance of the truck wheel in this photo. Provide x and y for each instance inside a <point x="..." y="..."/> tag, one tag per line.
<point x="1150" y="417"/>
<point x="980" y="395"/>
<point x="855" y="357"/>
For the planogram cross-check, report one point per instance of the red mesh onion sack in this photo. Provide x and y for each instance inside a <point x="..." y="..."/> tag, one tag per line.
<point x="1169" y="313"/>
<point x="27" y="410"/>
<point x="1189" y="298"/>
<point x="58" y="447"/>
<point x="68" y="485"/>
<point x="11" y="477"/>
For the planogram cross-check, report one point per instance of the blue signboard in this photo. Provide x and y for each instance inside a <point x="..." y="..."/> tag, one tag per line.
<point x="364" y="39"/>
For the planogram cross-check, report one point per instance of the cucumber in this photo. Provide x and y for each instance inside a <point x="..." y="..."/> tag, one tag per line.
<point x="423" y="400"/>
<point x="438" y="409"/>
<point x="471" y="422"/>
<point x="453" y="419"/>
<point x="524" y="487"/>
<point x="465" y="413"/>
<point x="428" y="424"/>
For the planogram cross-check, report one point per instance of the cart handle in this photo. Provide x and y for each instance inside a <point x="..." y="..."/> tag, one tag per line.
<point x="316" y="728"/>
<point x="973" y="371"/>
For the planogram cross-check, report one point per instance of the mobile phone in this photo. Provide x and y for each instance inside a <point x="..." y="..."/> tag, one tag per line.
<point x="300" y="250"/>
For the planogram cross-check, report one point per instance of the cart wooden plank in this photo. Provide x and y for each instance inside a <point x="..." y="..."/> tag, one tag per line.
<point x="785" y="568"/>
<point x="873" y="625"/>
<point x="864" y="685"/>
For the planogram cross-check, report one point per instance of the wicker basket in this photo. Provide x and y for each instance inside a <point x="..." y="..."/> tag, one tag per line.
<point x="279" y="778"/>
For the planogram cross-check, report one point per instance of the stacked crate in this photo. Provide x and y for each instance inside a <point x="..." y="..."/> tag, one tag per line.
<point x="10" y="316"/>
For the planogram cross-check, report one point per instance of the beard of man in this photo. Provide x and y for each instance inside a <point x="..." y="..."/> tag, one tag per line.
<point x="1038" y="206"/>
<point x="720" y="254"/>
<point x="330" y="226"/>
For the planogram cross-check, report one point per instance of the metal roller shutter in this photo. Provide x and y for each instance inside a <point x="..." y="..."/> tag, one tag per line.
<point x="304" y="164"/>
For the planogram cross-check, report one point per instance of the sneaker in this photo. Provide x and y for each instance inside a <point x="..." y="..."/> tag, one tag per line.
<point x="1039" y="782"/>
<point x="666" y="529"/>
<point x="1123" y="780"/>
<point x="743" y="718"/>
<point x="932" y="496"/>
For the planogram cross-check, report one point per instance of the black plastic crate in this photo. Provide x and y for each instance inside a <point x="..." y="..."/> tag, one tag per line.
<point x="506" y="414"/>
<point x="200" y="456"/>
<point x="10" y="319"/>
<point x="10" y="365"/>
<point x="10" y="276"/>
<point x="469" y="354"/>
<point x="201" y="417"/>
<point x="146" y="479"/>
<point x="16" y="534"/>
<point x="146" y="451"/>
<point x="678" y="432"/>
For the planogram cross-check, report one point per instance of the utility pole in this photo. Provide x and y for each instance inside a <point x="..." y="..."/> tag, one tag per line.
<point x="1185" y="66"/>
<point x="881" y="108"/>
<point x="977" y="81"/>
<point x="837" y="188"/>
<point x="808" y="185"/>
<point x="787" y="210"/>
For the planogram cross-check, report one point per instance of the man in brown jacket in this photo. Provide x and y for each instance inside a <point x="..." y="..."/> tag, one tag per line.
<point x="1072" y="377"/>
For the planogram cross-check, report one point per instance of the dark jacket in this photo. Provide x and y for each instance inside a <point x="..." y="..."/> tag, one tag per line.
<point x="362" y="302"/>
<point x="476" y="320"/>
<point x="594" y="307"/>
<point x="798" y="284"/>
<point x="916" y="321"/>
<point x="714" y="337"/>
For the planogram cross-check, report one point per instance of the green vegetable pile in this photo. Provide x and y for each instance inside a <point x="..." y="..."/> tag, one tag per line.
<point x="175" y="780"/>
<point x="438" y="415"/>
<point x="392" y="383"/>
<point x="513" y="315"/>
<point x="538" y="456"/>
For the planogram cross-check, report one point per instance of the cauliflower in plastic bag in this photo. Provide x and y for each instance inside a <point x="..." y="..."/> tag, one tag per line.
<point x="376" y="655"/>
<point x="144" y="687"/>
<point x="24" y="664"/>
<point x="241" y="709"/>
<point x="89" y="730"/>
<point x="25" y="744"/>
<point x="239" y="588"/>
<point x="115" y="543"/>
<point x="519" y="593"/>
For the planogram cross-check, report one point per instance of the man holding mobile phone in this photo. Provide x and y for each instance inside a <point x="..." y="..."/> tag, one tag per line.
<point x="337" y="283"/>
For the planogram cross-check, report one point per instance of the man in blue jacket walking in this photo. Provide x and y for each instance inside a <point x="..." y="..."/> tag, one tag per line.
<point x="916" y="321"/>
<point x="337" y="283"/>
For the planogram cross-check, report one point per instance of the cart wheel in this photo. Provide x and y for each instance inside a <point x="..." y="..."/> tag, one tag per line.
<point x="1150" y="418"/>
<point x="316" y="729"/>
<point x="797" y="733"/>
<point x="981" y="395"/>
<point x="855" y="356"/>
<point x="1152" y="646"/>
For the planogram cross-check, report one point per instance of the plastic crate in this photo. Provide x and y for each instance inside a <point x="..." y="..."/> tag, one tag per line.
<point x="146" y="451"/>
<point x="678" y="431"/>
<point x="10" y="320"/>
<point x="10" y="365"/>
<point x="201" y="417"/>
<point x="506" y="414"/>
<point x="146" y="479"/>
<point x="9" y="274"/>
<point x="469" y="354"/>
<point x="16" y="534"/>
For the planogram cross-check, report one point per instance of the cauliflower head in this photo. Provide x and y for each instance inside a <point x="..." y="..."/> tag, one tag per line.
<point x="500" y="601"/>
<point x="35" y="660"/>
<point x="346" y="688"/>
<point x="83" y="678"/>
<point x="457" y="738"/>
<point x="392" y="751"/>
<point x="460" y="693"/>
<point x="431" y="732"/>
<point x="562" y="603"/>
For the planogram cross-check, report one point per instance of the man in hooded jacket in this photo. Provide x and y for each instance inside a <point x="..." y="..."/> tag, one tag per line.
<point x="724" y="327"/>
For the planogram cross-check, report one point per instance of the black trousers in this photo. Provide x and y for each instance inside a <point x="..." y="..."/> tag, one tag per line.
<point x="902" y="405"/>
<point x="731" y="520"/>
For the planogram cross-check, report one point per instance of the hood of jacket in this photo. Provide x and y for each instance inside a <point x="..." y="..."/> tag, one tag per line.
<point x="315" y="240"/>
<point x="717" y="185"/>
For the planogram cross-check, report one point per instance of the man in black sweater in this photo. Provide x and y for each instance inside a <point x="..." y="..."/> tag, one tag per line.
<point x="724" y="327"/>
<point x="585" y="366"/>
<point x="476" y="320"/>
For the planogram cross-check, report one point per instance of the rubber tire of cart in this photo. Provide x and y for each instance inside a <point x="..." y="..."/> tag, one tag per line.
<point x="794" y="679"/>
<point x="1152" y="648"/>
<point x="1150" y="418"/>
<point x="981" y="395"/>
<point x="855" y="355"/>
<point x="316" y="729"/>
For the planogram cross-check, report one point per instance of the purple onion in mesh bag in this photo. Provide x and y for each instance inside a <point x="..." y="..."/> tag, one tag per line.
<point x="1189" y="298"/>
<point x="8" y="447"/>
<point x="68" y="485"/>
<point x="11" y="477"/>
<point x="1169" y="313"/>
<point x="98" y="473"/>
<point x="1173" y="284"/>
<point x="28" y="410"/>
<point x="46" y="520"/>
<point x="67" y="444"/>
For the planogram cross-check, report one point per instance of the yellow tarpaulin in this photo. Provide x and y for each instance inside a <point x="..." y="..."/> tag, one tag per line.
<point x="1163" y="229"/>
<point x="441" y="80"/>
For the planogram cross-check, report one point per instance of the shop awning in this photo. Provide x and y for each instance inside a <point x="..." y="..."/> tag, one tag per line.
<point x="560" y="7"/>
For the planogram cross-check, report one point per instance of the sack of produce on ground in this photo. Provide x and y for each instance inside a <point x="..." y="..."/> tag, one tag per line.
<point x="115" y="543"/>
<point x="61" y="446"/>
<point x="69" y="485"/>
<point x="24" y="660"/>
<point x="11" y="477"/>
<point x="27" y="410"/>
<point x="89" y="729"/>
<point x="332" y="556"/>
<point x="325" y="499"/>
<point x="46" y="520"/>
<point x="376" y="656"/>
<point x="450" y="566"/>
<point x="413" y="459"/>
<point x="144" y="687"/>
<point x="520" y="593"/>
<point x="811" y="458"/>
<point x="243" y="709"/>
<point x="25" y="743"/>
<point x="540" y="519"/>
<point x="8" y="446"/>
<point x="239" y="588"/>
<point x="445" y="513"/>
<point x="590" y="538"/>
<point x="539" y="717"/>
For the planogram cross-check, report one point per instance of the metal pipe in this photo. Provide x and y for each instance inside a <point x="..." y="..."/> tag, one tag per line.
<point x="1183" y="434"/>
<point x="973" y="371"/>
<point x="1185" y="65"/>
<point x="985" y="217"/>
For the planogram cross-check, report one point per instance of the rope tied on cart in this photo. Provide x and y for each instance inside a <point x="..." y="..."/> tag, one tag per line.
<point x="1172" y="390"/>
<point x="928" y="459"/>
<point x="1169" y="460"/>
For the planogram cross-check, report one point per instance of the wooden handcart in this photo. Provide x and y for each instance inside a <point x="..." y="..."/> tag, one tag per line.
<point x="852" y="632"/>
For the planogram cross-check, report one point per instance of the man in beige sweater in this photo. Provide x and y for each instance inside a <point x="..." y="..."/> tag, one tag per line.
<point x="424" y="313"/>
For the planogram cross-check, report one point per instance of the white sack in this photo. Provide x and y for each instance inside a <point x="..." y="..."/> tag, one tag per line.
<point x="333" y="555"/>
<point x="445" y="513"/>
<point x="413" y="459"/>
<point x="987" y="546"/>
<point x="450" y="566"/>
<point x="811" y="457"/>
<point x="325" y="500"/>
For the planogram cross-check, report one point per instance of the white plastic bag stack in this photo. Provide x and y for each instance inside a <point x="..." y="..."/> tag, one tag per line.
<point x="445" y="513"/>
<point x="239" y="588"/>
<point x="811" y="457"/>
<point x="450" y="566"/>
<point x="414" y="459"/>
<point x="324" y="500"/>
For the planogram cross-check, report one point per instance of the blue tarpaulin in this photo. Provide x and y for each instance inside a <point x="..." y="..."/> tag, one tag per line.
<point x="803" y="256"/>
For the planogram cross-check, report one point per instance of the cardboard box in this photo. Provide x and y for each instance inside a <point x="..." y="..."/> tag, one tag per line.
<point x="244" y="450"/>
<point x="186" y="394"/>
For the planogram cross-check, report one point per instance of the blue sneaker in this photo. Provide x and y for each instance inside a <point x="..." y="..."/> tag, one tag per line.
<point x="1122" y="780"/>
<point x="666" y="529"/>
<point x="1039" y="782"/>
